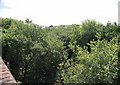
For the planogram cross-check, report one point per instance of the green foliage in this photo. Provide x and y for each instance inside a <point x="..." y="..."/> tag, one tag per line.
<point x="89" y="28"/>
<point x="86" y="53"/>
<point x="6" y="23"/>
<point x="99" y="66"/>
<point x="33" y="53"/>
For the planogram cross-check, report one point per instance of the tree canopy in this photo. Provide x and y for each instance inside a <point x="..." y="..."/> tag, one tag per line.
<point x="77" y="53"/>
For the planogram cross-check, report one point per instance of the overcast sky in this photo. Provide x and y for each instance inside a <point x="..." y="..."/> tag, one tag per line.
<point x="59" y="12"/>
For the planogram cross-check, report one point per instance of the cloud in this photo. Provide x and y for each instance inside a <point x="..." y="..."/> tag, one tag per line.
<point x="55" y="12"/>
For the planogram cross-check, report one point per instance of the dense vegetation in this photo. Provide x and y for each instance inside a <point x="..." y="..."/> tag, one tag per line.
<point x="78" y="53"/>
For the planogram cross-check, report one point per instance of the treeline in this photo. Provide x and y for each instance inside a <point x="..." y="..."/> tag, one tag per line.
<point x="77" y="53"/>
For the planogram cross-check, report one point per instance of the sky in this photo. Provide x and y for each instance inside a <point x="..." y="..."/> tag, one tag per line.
<point x="60" y="12"/>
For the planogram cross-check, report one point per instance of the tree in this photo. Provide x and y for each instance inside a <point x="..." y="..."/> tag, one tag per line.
<point x="31" y="51"/>
<point x="28" y="21"/>
<point x="99" y="66"/>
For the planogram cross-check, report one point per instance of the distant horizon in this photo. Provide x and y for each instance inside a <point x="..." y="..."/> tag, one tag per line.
<point x="60" y="12"/>
<point x="61" y="24"/>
